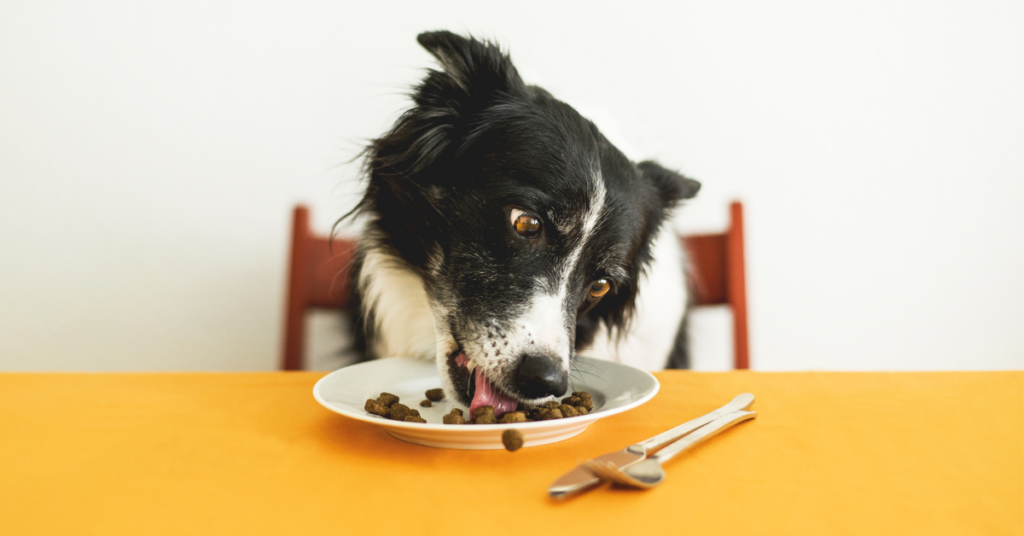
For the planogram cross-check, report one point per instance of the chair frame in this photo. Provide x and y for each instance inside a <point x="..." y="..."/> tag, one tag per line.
<point x="717" y="270"/>
<point x="317" y="279"/>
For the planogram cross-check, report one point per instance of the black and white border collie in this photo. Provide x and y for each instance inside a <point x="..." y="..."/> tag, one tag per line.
<point x="505" y="234"/>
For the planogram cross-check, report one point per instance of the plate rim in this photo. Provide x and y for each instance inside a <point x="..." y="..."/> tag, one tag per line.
<point x="553" y="423"/>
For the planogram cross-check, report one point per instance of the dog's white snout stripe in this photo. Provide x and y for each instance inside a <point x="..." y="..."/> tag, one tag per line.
<point x="545" y="323"/>
<point x="542" y="329"/>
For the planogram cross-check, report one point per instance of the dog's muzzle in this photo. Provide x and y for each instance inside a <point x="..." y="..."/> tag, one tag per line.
<point x="538" y="376"/>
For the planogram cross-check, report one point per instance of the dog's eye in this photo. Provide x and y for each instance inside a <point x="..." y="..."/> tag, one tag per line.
<point x="599" y="288"/>
<point x="526" y="224"/>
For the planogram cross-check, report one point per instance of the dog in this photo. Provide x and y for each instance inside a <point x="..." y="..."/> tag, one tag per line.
<point x="504" y="234"/>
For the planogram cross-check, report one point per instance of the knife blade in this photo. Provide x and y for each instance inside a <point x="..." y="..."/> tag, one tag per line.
<point x="580" y="478"/>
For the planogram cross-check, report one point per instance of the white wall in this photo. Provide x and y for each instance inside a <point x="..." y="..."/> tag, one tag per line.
<point x="150" y="154"/>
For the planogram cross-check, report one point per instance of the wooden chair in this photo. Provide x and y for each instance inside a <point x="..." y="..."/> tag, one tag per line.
<point x="318" y="277"/>
<point x="718" y="276"/>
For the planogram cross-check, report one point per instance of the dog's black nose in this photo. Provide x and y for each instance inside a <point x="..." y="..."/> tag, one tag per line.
<point x="539" y="376"/>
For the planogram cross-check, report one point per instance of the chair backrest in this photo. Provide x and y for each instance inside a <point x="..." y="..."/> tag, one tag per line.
<point x="718" y="276"/>
<point x="318" y="279"/>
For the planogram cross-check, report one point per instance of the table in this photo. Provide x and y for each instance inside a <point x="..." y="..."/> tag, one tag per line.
<point x="253" y="453"/>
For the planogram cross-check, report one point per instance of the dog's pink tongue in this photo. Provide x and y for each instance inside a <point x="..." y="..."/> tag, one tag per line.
<point x="485" y="395"/>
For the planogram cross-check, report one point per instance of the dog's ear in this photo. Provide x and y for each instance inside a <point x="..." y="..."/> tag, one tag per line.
<point x="478" y="68"/>
<point x="672" y="186"/>
<point x="476" y="74"/>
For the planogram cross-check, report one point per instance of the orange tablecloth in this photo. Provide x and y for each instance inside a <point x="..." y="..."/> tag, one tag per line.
<point x="830" y="453"/>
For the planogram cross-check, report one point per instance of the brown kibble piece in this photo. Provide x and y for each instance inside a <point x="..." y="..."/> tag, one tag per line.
<point x="482" y="410"/>
<point x="387" y="399"/>
<point x="512" y="439"/>
<point x="452" y="418"/>
<point x="398" y="412"/>
<point x="549" y="414"/>
<point x="387" y="405"/>
<point x="485" y="418"/>
<point x="513" y="416"/>
<point x="568" y="411"/>
<point x="376" y="408"/>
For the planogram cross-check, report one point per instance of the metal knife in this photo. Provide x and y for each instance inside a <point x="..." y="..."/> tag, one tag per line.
<point x="581" y="479"/>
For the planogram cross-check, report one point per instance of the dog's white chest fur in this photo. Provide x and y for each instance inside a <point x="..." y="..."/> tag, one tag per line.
<point x="405" y="325"/>
<point x="401" y="311"/>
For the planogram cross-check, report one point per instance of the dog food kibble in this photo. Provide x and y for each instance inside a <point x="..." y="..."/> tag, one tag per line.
<point x="387" y="405"/>
<point x="453" y="418"/>
<point x="484" y="415"/>
<point x="567" y="410"/>
<point x="398" y="412"/>
<point x="483" y="410"/>
<point x="376" y="408"/>
<point x="548" y="414"/>
<point x="513" y="416"/>
<point x="387" y="399"/>
<point x="512" y="439"/>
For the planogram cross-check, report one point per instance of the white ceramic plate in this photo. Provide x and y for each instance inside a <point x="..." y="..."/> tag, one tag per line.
<point x="613" y="387"/>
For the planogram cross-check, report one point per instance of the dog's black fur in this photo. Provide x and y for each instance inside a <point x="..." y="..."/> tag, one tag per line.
<point x="477" y="143"/>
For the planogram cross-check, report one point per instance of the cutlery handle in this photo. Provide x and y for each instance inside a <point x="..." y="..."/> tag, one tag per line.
<point x="741" y="402"/>
<point x="714" y="428"/>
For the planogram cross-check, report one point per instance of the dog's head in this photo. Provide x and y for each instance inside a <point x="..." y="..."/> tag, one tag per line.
<point x="528" y="227"/>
